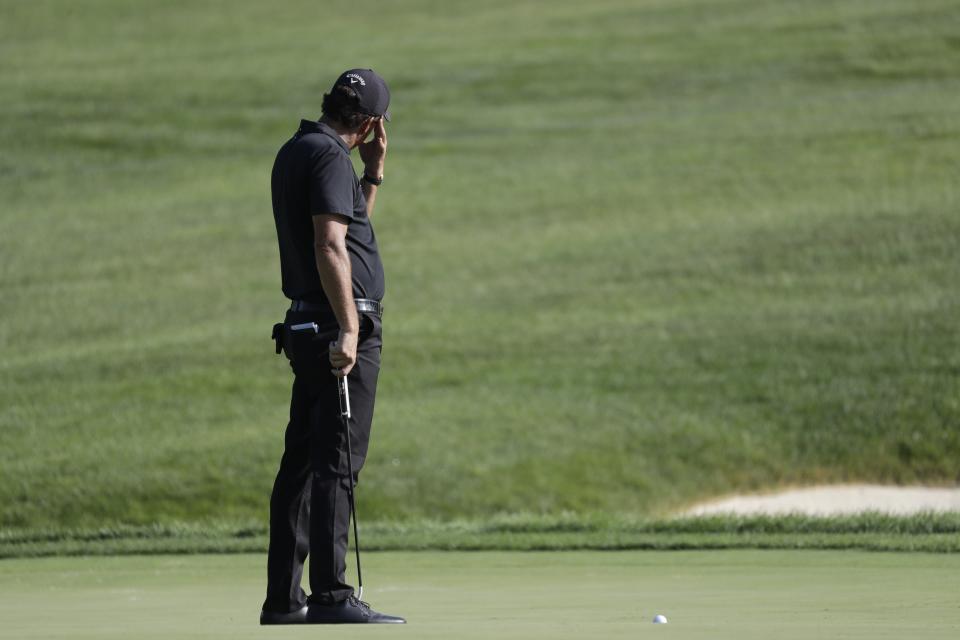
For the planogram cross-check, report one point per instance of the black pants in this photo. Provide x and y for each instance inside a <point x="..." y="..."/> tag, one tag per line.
<point x="309" y="508"/>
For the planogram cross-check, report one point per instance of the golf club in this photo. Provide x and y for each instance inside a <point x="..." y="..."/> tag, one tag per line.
<point x="345" y="418"/>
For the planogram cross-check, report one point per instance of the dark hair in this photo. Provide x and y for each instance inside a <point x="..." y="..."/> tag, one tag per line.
<point x="342" y="104"/>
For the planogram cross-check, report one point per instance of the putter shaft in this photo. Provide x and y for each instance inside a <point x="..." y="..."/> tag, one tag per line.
<point x="345" y="415"/>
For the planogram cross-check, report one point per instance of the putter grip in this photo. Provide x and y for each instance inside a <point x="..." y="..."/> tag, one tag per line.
<point x="344" y="397"/>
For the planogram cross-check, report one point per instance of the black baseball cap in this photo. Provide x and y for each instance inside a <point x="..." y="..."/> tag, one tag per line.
<point x="371" y="89"/>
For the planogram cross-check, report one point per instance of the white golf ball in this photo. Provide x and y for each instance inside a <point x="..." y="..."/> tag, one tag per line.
<point x="659" y="619"/>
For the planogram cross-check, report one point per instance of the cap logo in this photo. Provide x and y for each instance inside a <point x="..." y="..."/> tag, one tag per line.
<point x="355" y="78"/>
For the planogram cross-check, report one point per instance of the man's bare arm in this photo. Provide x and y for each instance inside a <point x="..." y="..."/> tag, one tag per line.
<point x="370" y="194"/>
<point x="333" y="265"/>
<point x="373" y="153"/>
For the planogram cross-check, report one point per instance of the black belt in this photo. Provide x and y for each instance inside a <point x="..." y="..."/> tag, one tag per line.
<point x="364" y="305"/>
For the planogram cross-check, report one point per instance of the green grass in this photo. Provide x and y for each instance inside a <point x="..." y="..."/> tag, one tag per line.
<point x="639" y="253"/>
<point x="734" y="594"/>
<point x="870" y="531"/>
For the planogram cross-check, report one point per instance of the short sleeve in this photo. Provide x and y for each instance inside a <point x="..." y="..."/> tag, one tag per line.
<point x="331" y="185"/>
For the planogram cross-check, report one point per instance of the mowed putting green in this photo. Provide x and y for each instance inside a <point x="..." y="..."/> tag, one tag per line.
<point x="728" y="594"/>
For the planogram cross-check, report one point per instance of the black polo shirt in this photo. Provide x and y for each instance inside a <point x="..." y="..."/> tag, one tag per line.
<point x="313" y="174"/>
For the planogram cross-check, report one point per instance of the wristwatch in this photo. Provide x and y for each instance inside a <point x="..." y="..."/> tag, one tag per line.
<point x="374" y="181"/>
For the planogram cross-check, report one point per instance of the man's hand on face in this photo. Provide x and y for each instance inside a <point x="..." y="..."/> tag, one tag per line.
<point x="343" y="354"/>
<point x="374" y="151"/>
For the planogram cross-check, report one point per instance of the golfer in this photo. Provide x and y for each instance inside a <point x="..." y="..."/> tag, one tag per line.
<point x="332" y="274"/>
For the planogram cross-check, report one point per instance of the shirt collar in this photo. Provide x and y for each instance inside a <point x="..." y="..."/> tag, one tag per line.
<point x="312" y="126"/>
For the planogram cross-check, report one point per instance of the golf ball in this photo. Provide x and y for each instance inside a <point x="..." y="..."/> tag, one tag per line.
<point x="659" y="619"/>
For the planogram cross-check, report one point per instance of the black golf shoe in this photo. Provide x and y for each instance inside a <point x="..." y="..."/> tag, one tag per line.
<point x="294" y="617"/>
<point x="349" y="611"/>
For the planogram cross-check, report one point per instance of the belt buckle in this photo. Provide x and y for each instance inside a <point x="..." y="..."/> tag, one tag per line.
<point x="371" y="306"/>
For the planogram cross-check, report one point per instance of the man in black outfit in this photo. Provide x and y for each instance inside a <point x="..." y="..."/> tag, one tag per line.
<point x="331" y="272"/>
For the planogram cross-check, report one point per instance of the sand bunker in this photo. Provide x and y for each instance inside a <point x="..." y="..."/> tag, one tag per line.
<point x="836" y="500"/>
